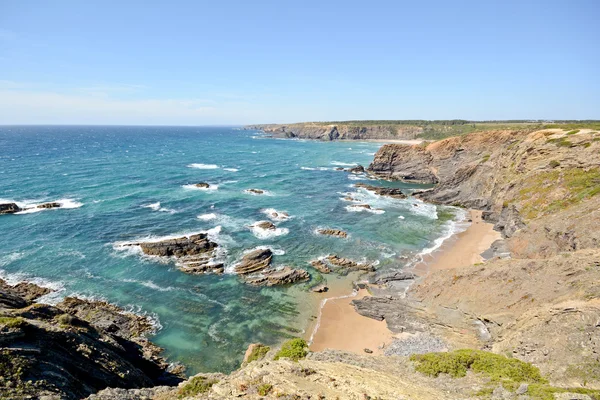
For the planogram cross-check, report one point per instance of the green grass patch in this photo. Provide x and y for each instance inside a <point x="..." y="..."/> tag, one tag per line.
<point x="258" y="353"/>
<point x="195" y="386"/>
<point x="536" y="197"/>
<point x="485" y="158"/>
<point x="554" y="164"/>
<point x="497" y="367"/>
<point x="561" y="142"/>
<point x="294" y="349"/>
<point x="264" y="389"/>
<point x="573" y="132"/>
<point x="12" y="322"/>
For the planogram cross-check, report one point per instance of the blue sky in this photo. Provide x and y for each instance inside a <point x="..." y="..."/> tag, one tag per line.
<point x="236" y="62"/>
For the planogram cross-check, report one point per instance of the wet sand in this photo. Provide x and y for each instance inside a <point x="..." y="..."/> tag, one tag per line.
<point x="342" y="328"/>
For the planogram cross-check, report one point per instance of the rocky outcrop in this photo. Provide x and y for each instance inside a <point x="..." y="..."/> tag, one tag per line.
<point x="347" y="263"/>
<point x="266" y="225"/>
<point x="330" y="132"/>
<point x="508" y="174"/>
<point x="382" y="191"/>
<point x="320" y="266"/>
<point x="202" y="185"/>
<point x="255" y="191"/>
<point x="49" y="205"/>
<point x="9" y="208"/>
<point x="359" y="169"/>
<point x="74" y="349"/>
<point x="254" y="261"/>
<point x="333" y="232"/>
<point x="278" y="277"/>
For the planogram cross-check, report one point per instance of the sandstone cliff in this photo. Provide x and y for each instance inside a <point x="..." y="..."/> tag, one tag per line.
<point x="340" y="131"/>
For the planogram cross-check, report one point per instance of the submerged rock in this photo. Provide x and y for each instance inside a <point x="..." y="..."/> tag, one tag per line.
<point x="265" y="225"/>
<point x="49" y="205"/>
<point x="284" y="276"/>
<point x="255" y="261"/>
<point x="320" y="266"/>
<point x="359" y="169"/>
<point x="322" y="288"/>
<point x="368" y="207"/>
<point x="347" y="263"/>
<point x="255" y="191"/>
<point x="9" y="208"/>
<point x="382" y="191"/>
<point x="333" y="232"/>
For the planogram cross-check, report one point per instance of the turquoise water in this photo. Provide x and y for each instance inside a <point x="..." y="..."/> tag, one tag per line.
<point x="111" y="181"/>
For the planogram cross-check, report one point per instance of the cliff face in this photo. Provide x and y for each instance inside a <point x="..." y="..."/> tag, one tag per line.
<point x="339" y="132"/>
<point x="74" y="349"/>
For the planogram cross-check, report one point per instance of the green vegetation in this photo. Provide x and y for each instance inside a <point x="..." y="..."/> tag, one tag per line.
<point x="12" y="322"/>
<point x="485" y="158"/>
<point x="258" y="353"/>
<point x="66" y="320"/>
<point x="572" y="132"/>
<point x="561" y="142"/>
<point x="294" y="349"/>
<point x="456" y="364"/>
<point x="536" y="197"/>
<point x="196" y="385"/>
<point x="585" y="372"/>
<point x="554" y="164"/>
<point x="508" y="372"/>
<point x="264" y="389"/>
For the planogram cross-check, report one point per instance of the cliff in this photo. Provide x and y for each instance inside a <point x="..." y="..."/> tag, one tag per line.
<point x="327" y="132"/>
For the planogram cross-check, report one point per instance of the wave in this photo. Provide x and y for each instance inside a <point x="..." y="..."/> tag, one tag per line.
<point x="207" y="217"/>
<point x="211" y="188"/>
<point x="275" y="215"/>
<point x="451" y="228"/>
<point x="356" y="208"/>
<point x="316" y="168"/>
<point x="267" y="233"/>
<point x="231" y="169"/>
<point x="203" y="166"/>
<point x="425" y="209"/>
<point x="357" y="178"/>
<point x="343" y="164"/>
<point x="156" y="207"/>
<point x="14" y="278"/>
<point x="31" y="205"/>
<point x="10" y="258"/>
<point x="151" y="285"/>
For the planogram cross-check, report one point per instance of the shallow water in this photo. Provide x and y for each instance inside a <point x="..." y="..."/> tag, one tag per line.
<point x="127" y="183"/>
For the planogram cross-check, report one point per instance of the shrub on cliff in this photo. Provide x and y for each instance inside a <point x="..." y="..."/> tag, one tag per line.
<point x="196" y="385"/>
<point x="258" y="353"/>
<point x="294" y="349"/>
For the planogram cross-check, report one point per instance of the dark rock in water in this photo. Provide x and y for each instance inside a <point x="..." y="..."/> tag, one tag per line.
<point x="284" y="276"/>
<point x="368" y="207"/>
<point x="26" y="290"/>
<point x="359" y="169"/>
<point x="255" y="191"/>
<point x="382" y="191"/>
<point x="74" y="349"/>
<point x="255" y="261"/>
<point x="320" y="266"/>
<point x="265" y="225"/>
<point x="184" y="246"/>
<point x="201" y="266"/>
<point x="322" y="288"/>
<point x="202" y="185"/>
<point x="339" y="169"/>
<point x="333" y="232"/>
<point x="347" y="263"/>
<point x="49" y="205"/>
<point x="393" y="276"/>
<point x="9" y="208"/>
<point x="348" y="198"/>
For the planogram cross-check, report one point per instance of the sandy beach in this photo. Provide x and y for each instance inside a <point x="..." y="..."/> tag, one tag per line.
<point x="342" y="328"/>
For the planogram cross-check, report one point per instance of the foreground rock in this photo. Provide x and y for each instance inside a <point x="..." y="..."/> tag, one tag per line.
<point x="9" y="208"/>
<point x="254" y="261"/>
<point x="333" y="232"/>
<point x="73" y="349"/>
<point x="382" y="191"/>
<point x="283" y="276"/>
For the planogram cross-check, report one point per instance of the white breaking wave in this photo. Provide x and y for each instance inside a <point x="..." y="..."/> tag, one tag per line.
<point x="343" y="164"/>
<point x="357" y="178"/>
<point x="211" y="188"/>
<point x="18" y="277"/>
<point x="267" y="233"/>
<point x="156" y="207"/>
<point x="150" y="285"/>
<point x="425" y="209"/>
<point x="32" y="204"/>
<point x="207" y="217"/>
<point x="355" y="208"/>
<point x="203" y="166"/>
<point x="231" y="169"/>
<point x="316" y="168"/>
<point x="275" y="215"/>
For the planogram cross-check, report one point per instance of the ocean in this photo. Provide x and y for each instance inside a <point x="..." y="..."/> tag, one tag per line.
<point x="120" y="184"/>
